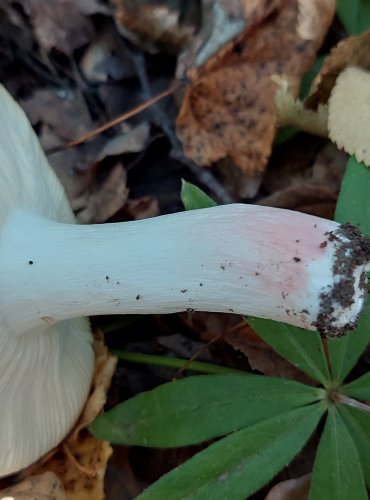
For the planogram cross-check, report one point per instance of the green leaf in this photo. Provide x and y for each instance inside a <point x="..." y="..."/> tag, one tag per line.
<point x="345" y="351"/>
<point x="353" y="206"/>
<point x="194" y="198"/>
<point x="354" y="14"/>
<point x="336" y="471"/>
<point x="359" y="388"/>
<point x="199" y="408"/>
<point x="302" y="348"/>
<point x="358" y="424"/>
<point x="353" y="203"/>
<point x="240" y="464"/>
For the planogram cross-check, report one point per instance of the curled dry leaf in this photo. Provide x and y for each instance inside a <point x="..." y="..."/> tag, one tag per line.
<point x="45" y="486"/>
<point x="354" y="51"/>
<point x="229" y="109"/>
<point x="349" y="113"/>
<point x="80" y="461"/>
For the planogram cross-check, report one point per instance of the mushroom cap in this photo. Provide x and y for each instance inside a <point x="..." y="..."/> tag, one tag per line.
<point x="45" y="376"/>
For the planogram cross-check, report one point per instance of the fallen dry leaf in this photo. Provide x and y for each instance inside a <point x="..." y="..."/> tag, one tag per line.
<point x="291" y="489"/>
<point x="63" y="110"/>
<point x="221" y="22"/>
<point x="229" y="109"/>
<point x="45" y="486"/>
<point x="103" y="198"/>
<point x="353" y="51"/>
<point x="237" y="333"/>
<point x="58" y="25"/>
<point x="153" y="26"/>
<point x="133" y="140"/>
<point x="349" y="113"/>
<point x="142" y="208"/>
<point x="308" y="184"/>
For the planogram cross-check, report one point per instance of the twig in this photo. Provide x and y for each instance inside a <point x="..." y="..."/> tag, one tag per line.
<point x="114" y="122"/>
<point x="204" y="176"/>
<point x="341" y="398"/>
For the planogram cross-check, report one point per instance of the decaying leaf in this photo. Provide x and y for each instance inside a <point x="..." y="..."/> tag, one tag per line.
<point x="64" y="111"/>
<point x="45" y="486"/>
<point x="221" y="22"/>
<point x="308" y="184"/>
<point x="229" y="109"/>
<point x="291" y="489"/>
<point x="354" y="51"/>
<point x="103" y="197"/>
<point x="80" y="461"/>
<point x="349" y="113"/>
<point x="233" y="330"/>
<point x="58" y="25"/>
<point x="153" y="25"/>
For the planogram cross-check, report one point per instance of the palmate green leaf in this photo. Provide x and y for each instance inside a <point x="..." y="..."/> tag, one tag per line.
<point x="193" y="198"/>
<point x="337" y="474"/>
<point x="353" y="206"/>
<point x="353" y="203"/>
<point x="358" y="424"/>
<point x="302" y="348"/>
<point x="200" y="408"/>
<point x="240" y="464"/>
<point x="354" y="14"/>
<point x="359" y="388"/>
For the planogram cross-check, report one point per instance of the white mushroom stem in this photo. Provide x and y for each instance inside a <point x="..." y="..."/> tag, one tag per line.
<point x="244" y="259"/>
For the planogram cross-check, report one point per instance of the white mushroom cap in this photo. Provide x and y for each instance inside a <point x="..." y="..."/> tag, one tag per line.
<point x="245" y="259"/>
<point x="45" y="377"/>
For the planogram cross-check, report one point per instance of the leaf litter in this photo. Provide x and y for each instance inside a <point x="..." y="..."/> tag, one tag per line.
<point x="74" y="73"/>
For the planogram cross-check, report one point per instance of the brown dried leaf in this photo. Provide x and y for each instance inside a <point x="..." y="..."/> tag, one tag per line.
<point x="291" y="489"/>
<point x="58" y="25"/>
<point x="142" y="208"/>
<point x="308" y="184"/>
<point x="152" y="26"/>
<point x="229" y="109"/>
<point x="354" y="51"/>
<point x="132" y="141"/>
<point x="103" y="198"/>
<point x="233" y="330"/>
<point x="45" y="486"/>
<point x="64" y="111"/>
<point x="349" y="113"/>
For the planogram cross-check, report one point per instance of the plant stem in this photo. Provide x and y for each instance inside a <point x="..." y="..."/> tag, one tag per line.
<point x="178" y="363"/>
<point x="341" y="398"/>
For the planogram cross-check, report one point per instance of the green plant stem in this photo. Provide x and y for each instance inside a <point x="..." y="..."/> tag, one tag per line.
<point x="341" y="398"/>
<point x="179" y="363"/>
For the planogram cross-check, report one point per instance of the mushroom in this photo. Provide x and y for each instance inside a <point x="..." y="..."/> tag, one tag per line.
<point x="244" y="259"/>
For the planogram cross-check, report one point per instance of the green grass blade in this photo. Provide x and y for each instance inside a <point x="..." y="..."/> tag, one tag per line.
<point x="358" y="424"/>
<point x="359" y="388"/>
<point x="200" y="408"/>
<point x="337" y="474"/>
<point x="176" y="363"/>
<point x="193" y="198"/>
<point x="301" y="347"/>
<point x="240" y="464"/>
<point x="353" y="206"/>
